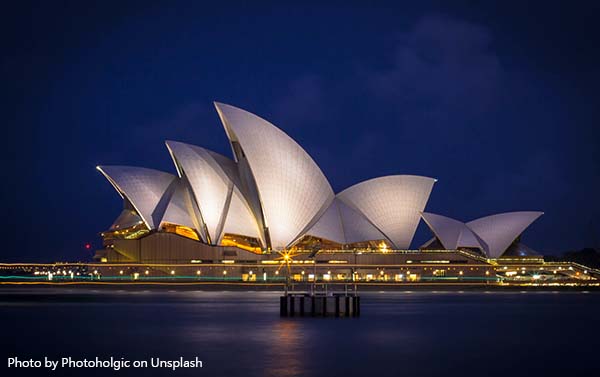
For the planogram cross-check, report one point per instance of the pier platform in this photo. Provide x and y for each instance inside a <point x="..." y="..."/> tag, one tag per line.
<point x="319" y="305"/>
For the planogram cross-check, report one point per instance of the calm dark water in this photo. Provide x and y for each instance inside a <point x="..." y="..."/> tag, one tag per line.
<point x="241" y="334"/>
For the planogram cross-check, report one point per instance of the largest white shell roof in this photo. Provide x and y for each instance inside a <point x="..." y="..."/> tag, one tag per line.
<point x="292" y="189"/>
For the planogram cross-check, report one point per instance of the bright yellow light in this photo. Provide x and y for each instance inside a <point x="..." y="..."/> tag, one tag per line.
<point x="224" y="272"/>
<point x="460" y="272"/>
<point x="276" y="272"/>
<point x="198" y="272"/>
<point x="228" y="241"/>
<point x="121" y="272"/>
<point x="147" y="272"/>
<point x="172" y="272"/>
<point x="382" y="247"/>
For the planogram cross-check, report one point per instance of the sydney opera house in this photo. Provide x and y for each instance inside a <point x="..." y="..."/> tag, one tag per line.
<point x="270" y="205"/>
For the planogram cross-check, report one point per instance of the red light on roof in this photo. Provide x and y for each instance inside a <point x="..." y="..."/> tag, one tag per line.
<point x="88" y="246"/>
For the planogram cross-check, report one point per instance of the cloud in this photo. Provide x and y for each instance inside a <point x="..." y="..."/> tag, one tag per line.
<point x="442" y="65"/>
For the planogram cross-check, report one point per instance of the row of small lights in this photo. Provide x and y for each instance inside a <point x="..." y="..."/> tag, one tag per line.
<point x="198" y="272"/>
<point x="121" y="272"/>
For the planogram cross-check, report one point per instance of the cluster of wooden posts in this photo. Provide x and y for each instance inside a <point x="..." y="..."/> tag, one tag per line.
<point x="323" y="305"/>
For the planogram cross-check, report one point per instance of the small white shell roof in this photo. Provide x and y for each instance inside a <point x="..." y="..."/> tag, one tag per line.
<point x="357" y="228"/>
<point x="239" y="218"/>
<point x="293" y="190"/>
<point x="126" y="219"/>
<point x="143" y="187"/>
<point x="499" y="231"/>
<point x="209" y="184"/>
<point x="393" y="204"/>
<point x="213" y="180"/>
<point x="329" y="226"/>
<point x="446" y="229"/>
<point x="452" y="233"/>
<point x="180" y="209"/>
<point x="468" y="238"/>
<point x="344" y="225"/>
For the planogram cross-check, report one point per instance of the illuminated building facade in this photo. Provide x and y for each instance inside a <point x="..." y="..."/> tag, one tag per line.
<point x="272" y="201"/>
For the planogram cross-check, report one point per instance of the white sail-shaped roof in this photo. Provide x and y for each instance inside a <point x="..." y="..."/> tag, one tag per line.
<point x="453" y="234"/>
<point x="345" y="226"/>
<point x="357" y="228"/>
<point x="208" y="182"/>
<point x="499" y="231"/>
<point x="393" y="204"/>
<point x="180" y="209"/>
<point x="292" y="189"/>
<point x="144" y="188"/>
<point x="240" y="219"/>
<point x="126" y="219"/>
<point x="329" y="226"/>
<point x="446" y="229"/>
<point x="213" y="181"/>
<point x="469" y="239"/>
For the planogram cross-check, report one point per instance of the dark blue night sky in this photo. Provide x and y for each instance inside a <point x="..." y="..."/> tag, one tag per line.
<point x="499" y="102"/>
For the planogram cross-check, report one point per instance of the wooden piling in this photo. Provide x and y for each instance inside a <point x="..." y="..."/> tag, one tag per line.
<point x="337" y="305"/>
<point x="283" y="306"/>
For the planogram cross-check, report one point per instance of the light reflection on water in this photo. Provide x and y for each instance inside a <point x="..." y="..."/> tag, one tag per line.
<point x="241" y="334"/>
<point x="285" y="341"/>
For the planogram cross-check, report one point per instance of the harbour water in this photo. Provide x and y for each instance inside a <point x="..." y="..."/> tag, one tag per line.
<point x="240" y="333"/>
